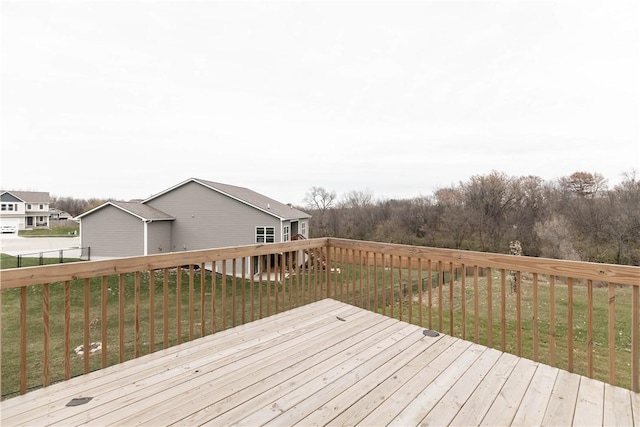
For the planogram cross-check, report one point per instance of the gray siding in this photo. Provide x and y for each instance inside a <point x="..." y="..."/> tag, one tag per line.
<point x="207" y="219"/>
<point x="158" y="237"/>
<point x="111" y="232"/>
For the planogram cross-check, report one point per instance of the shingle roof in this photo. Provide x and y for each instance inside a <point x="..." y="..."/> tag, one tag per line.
<point x="143" y="212"/>
<point x="250" y="197"/>
<point x="30" y="196"/>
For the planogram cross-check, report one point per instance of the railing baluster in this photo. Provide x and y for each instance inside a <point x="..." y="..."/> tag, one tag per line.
<point x="570" y="322"/>
<point x="121" y="317"/>
<point x="612" y="333"/>
<point x="635" y="339"/>
<point x="191" y="303"/>
<point x="179" y="304"/>
<point x="476" y="306"/>
<point x="203" y="299"/>
<point x="23" y="341"/>
<point x="343" y="271"/>
<point x="376" y="282"/>
<point x="400" y="289"/>
<point x="463" y="299"/>
<point x="244" y="291"/>
<point x="136" y="316"/>
<point x="440" y="296"/>
<point x="165" y="307"/>
<point x="233" y="292"/>
<point x="536" y="338"/>
<point x="86" y="324"/>
<point x="104" y="322"/>
<point x="282" y="283"/>
<point x="67" y="329"/>
<point x="410" y="282"/>
<point x="420" y="293"/>
<point x="268" y="281"/>
<point x="519" y="313"/>
<point x="316" y="274"/>
<point x="590" y="328"/>
<point x="392" y="285"/>
<point x="383" y="285"/>
<point x="224" y="295"/>
<point x="152" y="311"/>
<point x="451" y="297"/>
<point x="45" y="315"/>
<point x="259" y="273"/>
<point x="214" y="291"/>
<point x="430" y="290"/>
<point x="503" y="309"/>
<point x="360" y="270"/>
<point x="552" y="320"/>
<point x="252" y="270"/>
<point x="489" y="307"/>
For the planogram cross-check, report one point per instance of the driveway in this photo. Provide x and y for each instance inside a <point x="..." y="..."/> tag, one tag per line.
<point x="12" y="244"/>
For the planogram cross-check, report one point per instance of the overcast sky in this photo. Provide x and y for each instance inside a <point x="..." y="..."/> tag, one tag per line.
<point x="124" y="99"/>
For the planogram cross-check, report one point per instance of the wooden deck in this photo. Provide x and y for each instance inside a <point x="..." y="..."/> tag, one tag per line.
<point x="327" y="363"/>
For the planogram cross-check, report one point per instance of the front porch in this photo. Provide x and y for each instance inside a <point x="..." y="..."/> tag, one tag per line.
<point x="327" y="363"/>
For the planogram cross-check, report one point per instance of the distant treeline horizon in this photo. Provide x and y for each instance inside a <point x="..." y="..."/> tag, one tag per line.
<point x="577" y="217"/>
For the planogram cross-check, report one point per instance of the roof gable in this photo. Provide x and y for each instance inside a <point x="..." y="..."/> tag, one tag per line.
<point x="137" y="209"/>
<point x="27" y="196"/>
<point x="246" y="196"/>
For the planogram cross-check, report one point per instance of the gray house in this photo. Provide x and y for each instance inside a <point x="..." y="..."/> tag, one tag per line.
<point x="195" y="214"/>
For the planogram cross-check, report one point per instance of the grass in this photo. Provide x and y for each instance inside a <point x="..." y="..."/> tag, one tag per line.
<point x="51" y="232"/>
<point x="10" y="261"/>
<point x="262" y="298"/>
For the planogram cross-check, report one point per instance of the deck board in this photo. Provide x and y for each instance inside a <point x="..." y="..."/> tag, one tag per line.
<point x="327" y="363"/>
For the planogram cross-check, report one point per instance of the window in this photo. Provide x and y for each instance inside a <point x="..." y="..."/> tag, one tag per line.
<point x="265" y="234"/>
<point x="285" y="233"/>
<point x="41" y="207"/>
<point x="303" y="229"/>
<point x="29" y="207"/>
<point x="3" y="207"/>
<point x="10" y="206"/>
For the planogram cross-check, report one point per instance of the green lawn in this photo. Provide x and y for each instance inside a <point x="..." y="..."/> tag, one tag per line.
<point x="51" y="232"/>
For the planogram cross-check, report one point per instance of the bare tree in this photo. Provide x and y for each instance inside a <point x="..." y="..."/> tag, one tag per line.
<point x="317" y="198"/>
<point x="584" y="184"/>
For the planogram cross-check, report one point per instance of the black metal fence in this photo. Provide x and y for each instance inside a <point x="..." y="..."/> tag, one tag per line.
<point x="57" y="256"/>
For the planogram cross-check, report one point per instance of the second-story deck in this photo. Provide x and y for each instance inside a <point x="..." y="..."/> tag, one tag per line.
<point x="321" y="331"/>
<point x="327" y="363"/>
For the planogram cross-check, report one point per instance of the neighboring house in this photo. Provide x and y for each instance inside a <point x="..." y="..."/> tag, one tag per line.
<point x="195" y="214"/>
<point x="25" y="209"/>
<point x="57" y="214"/>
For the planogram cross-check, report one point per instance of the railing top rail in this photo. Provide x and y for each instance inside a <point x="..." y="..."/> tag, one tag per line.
<point x="619" y="274"/>
<point x="20" y="277"/>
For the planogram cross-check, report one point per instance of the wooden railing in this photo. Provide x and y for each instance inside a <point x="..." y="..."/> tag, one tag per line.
<point x="582" y="317"/>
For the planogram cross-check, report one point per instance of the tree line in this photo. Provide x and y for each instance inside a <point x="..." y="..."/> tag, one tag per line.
<point x="72" y="206"/>
<point x="577" y="217"/>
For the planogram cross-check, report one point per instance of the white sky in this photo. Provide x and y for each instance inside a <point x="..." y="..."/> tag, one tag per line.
<point x="124" y="99"/>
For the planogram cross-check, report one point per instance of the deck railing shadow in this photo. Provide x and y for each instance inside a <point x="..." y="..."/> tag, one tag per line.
<point x="578" y="316"/>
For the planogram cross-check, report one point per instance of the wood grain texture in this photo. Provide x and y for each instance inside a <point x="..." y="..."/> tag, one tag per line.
<point x="308" y="367"/>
